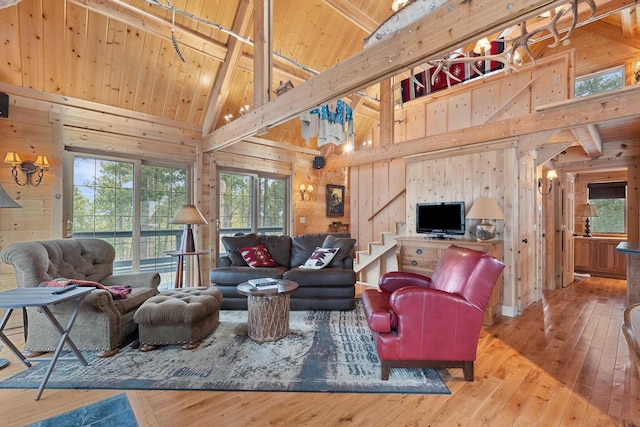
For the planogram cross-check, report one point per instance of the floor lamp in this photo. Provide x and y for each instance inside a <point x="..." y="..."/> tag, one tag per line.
<point x="6" y="202"/>
<point x="188" y="215"/>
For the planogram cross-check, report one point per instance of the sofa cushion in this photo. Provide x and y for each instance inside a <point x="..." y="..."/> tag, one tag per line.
<point x="303" y="245"/>
<point x="257" y="256"/>
<point x="279" y="247"/>
<point x="134" y="299"/>
<point x="236" y="274"/>
<point x="345" y="246"/>
<point x="325" y="277"/>
<point x="233" y="244"/>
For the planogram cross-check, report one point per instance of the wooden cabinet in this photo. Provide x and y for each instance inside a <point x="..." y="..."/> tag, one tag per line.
<point x="598" y="256"/>
<point x="419" y="255"/>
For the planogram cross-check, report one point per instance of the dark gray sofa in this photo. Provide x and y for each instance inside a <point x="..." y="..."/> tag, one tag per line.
<point x="330" y="288"/>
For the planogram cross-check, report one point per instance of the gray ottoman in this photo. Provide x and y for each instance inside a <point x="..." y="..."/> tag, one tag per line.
<point x="180" y="316"/>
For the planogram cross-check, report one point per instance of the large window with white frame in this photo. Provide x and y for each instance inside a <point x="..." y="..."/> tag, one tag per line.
<point x="252" y="203"/>
<point x="129" y="204"/>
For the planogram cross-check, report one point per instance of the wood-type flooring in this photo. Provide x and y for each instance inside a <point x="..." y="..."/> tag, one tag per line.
<point x="562" y="362"/>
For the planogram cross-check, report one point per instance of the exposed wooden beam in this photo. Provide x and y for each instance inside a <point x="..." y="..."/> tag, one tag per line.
<point x="561" y="115"/>
<point x="528" y="143"/>
<point x="590" y="140"/>
<point x="220" y="89"/>
<point x="120" y="11"/>
<point x="549" y="151"/>
<point x="353" y="14"/>
<point x="456" y="24"/>
<point x="262" y="48"/>
<point x="628" y="18"/>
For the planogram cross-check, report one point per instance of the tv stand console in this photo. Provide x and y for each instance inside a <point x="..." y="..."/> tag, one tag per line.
<point x="419" y="255"/>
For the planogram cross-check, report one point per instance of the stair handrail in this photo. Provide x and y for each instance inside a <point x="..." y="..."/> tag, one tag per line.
<point x="404" y="190"/>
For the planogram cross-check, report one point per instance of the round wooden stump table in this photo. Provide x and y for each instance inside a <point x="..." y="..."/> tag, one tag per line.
<point x="268" y="310"/>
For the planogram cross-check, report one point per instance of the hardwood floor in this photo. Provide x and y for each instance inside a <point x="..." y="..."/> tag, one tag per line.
<point x="563" y="362"/>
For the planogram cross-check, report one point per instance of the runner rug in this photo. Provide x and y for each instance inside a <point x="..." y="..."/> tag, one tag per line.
<point x="325" y="351"/>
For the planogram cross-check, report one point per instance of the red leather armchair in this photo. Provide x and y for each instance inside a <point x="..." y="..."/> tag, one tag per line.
<point x="420" y="322"/>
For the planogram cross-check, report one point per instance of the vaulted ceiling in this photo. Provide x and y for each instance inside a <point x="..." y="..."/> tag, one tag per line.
<point x="121" y="53"/>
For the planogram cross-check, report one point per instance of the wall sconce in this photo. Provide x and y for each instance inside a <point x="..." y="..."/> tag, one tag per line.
<point x="27" y="167"/>
<point x="551" y="175"/>
<point x="306" y="190"/>
<point x="244" y="110"/>
<point x="637" y="72"/>
<point x="227" y="119"/>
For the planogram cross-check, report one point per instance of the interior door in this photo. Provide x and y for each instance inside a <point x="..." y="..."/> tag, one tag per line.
<point x="528" y="288"/>
<point x="568" y="228"/>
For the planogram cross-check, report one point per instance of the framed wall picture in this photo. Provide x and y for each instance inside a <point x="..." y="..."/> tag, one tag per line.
<point x="335" y="200"/>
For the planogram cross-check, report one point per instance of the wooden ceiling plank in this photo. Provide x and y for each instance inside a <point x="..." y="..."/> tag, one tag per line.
<point x="220" y="90"/>
<point x="132" y="16"/>
<point x="354" y="15"/>
<point x="456" y="24"/>
<point x="560" y="115"/>
<point x="590" y="140"/>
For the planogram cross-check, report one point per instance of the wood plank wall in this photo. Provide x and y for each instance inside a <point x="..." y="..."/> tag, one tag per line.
<point x="489" y="169"/>
<point x="46" y="124"/>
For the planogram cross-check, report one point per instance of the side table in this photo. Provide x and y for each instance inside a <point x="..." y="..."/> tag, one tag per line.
<point x="268" y="310"/>
<point x="180" y="267"/>
<point x="42" y="298"/>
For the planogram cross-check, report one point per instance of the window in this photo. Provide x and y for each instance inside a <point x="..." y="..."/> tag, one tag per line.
<point x="609" y="198"/>
<point x="602" y="81"/>
<point x="252" y="203"/>
<point x="129" y="204"/>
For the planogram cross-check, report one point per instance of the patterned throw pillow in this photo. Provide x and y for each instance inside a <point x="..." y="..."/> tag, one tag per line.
<point x="320" y="258"/>
<point x="257" y="256"/>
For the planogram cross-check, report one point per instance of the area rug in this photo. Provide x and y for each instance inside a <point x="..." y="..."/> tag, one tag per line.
<point x="115" y="411"/>
<point x="325" y="351"/>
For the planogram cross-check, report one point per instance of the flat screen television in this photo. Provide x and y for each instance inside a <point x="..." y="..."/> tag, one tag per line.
<point x="443" y="218"/>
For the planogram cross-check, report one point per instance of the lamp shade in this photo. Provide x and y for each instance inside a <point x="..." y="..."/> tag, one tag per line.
<point x="587" y="211"/>
<point x="485" y="208"/>
<point x="188" y="214"/>
<point x="6" y="201"/>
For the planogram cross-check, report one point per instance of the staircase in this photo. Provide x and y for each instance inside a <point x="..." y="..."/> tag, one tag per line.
<point x="380" y="257"/>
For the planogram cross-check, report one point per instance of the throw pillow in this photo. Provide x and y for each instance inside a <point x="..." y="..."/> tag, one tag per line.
<point x="257" y="256"/>
<point x="345" y="245"/>
<point x="320" y="258"/>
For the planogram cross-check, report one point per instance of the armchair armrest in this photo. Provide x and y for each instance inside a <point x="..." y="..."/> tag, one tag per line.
<point x="389" y="282"/>
<point x="135" y="280"/>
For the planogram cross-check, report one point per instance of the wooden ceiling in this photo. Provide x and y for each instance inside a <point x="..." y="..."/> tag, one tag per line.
<point x="120" y="52"/>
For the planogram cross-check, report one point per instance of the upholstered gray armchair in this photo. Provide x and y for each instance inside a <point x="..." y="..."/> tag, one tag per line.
<point x="103" y="323"/>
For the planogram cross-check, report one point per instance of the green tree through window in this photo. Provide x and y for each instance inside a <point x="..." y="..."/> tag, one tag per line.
<point x="105" y="206"/>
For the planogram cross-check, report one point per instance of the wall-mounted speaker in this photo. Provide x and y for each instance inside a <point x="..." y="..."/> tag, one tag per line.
<point x="318" y="162"/>
<point x="4" y="105"/>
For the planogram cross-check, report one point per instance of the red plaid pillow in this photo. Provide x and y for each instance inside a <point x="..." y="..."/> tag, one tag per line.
<point x="257" y="256"/>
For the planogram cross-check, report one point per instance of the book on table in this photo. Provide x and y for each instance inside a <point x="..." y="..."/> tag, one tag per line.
<point x="264" y="283"/>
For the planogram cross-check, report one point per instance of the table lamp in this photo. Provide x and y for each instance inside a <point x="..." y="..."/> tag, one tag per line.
<point x="587" y="211"/>
<point x="485" y="208"/>
<point x="189" y="215"/>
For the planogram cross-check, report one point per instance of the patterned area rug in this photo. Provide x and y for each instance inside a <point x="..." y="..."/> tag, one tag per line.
<point x="325" y="351"/>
